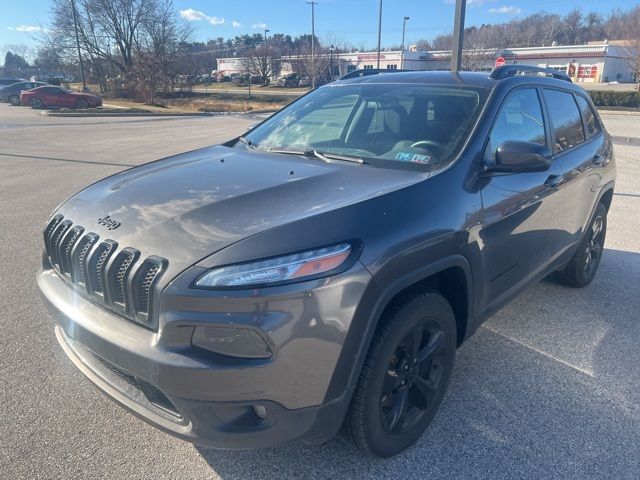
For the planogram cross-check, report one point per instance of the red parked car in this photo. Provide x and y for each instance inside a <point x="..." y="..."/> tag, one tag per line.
<point x="51" y="96"/>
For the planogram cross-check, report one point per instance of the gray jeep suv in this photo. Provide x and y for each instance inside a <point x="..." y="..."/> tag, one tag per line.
<point x="321" y="270"/>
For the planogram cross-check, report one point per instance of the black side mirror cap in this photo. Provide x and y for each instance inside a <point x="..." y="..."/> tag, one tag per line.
<point x="520" y="157"/>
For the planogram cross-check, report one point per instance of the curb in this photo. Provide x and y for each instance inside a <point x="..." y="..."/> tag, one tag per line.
<point x="629" y="113"/>
<point x="53" y="113"/>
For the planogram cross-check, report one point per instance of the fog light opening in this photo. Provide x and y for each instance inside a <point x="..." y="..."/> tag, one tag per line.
<point x="260" y="411"/>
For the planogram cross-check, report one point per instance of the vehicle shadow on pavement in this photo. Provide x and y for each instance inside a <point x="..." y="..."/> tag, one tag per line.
<point x="548" y="388"/>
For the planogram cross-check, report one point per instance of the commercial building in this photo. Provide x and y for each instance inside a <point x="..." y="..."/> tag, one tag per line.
<point x="595" y="62"/>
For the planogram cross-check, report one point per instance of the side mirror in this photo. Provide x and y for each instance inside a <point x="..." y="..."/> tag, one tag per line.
<point x="520" y="157"/>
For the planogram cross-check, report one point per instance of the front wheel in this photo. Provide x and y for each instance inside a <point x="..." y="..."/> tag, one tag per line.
<point x="405" y="375"/>
<point x="82" y="103"/>
<point x="35" y="103"/>
<point x="583" y="266"/>
<point x="14" y="100"/>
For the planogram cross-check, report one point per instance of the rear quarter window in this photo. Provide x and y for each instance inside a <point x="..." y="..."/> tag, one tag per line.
<point x="565" y="119"/>
<point x="590" y="121"/>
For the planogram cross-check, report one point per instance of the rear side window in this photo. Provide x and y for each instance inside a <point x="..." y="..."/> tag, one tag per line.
<point x="565" y="118"/>
<point x="520" y="119"/>
<point x="588" y="116"/>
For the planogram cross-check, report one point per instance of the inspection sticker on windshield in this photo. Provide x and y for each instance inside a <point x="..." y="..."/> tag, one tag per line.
<point x="413" y="157"/>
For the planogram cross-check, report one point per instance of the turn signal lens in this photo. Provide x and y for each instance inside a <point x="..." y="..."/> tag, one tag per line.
<point x="276" y="270"/>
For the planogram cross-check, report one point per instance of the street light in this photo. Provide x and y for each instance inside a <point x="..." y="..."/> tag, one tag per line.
<point x="404" y="27"/>
<point x="266" y="30"/>
<point x="331" y="47"/>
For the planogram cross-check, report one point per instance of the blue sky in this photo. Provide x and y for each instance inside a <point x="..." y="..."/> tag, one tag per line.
<point x="353" y="21"/>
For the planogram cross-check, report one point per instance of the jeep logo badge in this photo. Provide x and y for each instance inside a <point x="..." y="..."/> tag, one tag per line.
<point x="109" y="222"/>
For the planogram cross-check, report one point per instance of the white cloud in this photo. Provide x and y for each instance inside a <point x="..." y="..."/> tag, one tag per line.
<point x="235" y="24"/>
<point x="192" y="15"/>
<point x="27" y="28"/>
<point x="259" y="25"/>
<point x="509" y="10"/>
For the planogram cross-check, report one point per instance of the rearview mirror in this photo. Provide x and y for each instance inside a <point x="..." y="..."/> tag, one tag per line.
<point x="520" y="157"/>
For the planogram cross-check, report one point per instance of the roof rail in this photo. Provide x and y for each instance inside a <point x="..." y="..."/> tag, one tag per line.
<point x="513" y="70"/>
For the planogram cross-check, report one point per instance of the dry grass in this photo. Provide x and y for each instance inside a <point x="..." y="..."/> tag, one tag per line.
<point x="208" y="103"/>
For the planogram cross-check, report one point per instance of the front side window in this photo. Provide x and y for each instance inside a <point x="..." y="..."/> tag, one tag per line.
<point x="565" y="118"/>
<point x="418" y="123"/>
<point x="520" y="119"/>
<point x="589" y="117"/>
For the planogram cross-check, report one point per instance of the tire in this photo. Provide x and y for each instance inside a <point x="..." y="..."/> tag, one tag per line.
<point x="14" y="100"/>
<point x="82" y="103"/>
<point x="36" y="103"/>
<point x="582" y="267"/>
<point x="397" y="395"/>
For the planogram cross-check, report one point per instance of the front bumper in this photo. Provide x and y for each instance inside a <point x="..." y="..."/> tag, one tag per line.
<point x="206" y="398"/>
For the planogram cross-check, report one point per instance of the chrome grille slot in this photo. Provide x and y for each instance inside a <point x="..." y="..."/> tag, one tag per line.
<point x="117" y="277"/>
<point x="66" y="246"/>
<point x="144" y="281"/>
<point x="106" y="275"/>
<point x="97" y="264"/>
<point x="48" y="232"/>
<point x="56" y="237"/>
<point x="79" y="257"/>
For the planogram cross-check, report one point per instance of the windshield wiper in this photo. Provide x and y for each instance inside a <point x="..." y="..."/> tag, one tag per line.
<point x="334" y="156"/>
<point x="246" y="141"/>
<point x="325" y="157"/>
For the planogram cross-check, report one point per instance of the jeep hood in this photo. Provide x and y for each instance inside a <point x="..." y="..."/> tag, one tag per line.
<point x="192" y="205"/>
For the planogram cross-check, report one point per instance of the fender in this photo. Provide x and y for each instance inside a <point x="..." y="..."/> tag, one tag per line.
<point x="366" y="319"/>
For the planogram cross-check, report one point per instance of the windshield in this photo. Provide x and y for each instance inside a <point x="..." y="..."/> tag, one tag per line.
<point x="424" y="124"/>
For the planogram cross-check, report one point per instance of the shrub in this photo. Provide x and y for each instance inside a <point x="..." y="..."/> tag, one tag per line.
<point x="605" y="98"/>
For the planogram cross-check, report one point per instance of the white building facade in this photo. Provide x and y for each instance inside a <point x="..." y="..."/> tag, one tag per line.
<point x="599" y="62"/>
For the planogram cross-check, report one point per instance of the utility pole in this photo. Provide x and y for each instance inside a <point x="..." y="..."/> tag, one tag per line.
<point x="266" y="58"/>
<point x="313" y="4"/>
<point x="75" y="27"/>
<point x="404" y="27"/>
<point x="331" y="63"/>
<point x="379" y="33"/>
<point x="458" y="36"/>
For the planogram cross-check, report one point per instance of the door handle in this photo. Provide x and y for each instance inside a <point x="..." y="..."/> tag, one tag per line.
<point x="553" y="181"/>
<point x="599" y="160"/>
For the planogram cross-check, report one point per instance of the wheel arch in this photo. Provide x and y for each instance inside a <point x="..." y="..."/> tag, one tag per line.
<point x="451" y="276"/>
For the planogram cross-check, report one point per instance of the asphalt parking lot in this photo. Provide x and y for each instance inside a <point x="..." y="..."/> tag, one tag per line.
<point x="548" y="388"/>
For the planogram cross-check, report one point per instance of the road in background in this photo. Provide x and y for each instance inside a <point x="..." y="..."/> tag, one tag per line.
<point x="548" y="388"/>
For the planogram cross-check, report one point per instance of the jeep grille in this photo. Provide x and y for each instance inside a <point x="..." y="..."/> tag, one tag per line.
<point x="97" y="269"/>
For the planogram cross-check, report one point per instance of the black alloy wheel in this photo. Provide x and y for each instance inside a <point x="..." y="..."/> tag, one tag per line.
<point x="82" y="103"/>
<point x="582" y="267"/>
<point x="405" y="375"/>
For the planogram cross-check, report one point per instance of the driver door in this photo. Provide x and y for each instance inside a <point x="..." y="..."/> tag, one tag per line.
<point x="522" y="232"/>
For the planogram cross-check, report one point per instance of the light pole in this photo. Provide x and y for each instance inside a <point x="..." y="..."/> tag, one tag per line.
<point x="266" y="58"/>
<point x="404" y="28"/>
<point x="75" y="27"/>
<point x="331" y="63"/>
<point x="458" y="36"/>
<point x="379" y="33"/>
<point x="313" y="4"/>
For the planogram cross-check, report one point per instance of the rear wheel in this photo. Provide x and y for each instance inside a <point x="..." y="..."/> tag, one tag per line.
<point x="405" y="375"/>
<point x="35" y="103"/>
<point x="583" y="266"/>
<point x="14" y="100"/>
<point x="82" y="103"/>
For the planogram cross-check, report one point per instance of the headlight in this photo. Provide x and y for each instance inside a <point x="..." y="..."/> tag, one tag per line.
<point x="285" y="269"/>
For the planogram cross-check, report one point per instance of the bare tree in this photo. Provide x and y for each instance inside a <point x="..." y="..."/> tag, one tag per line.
<point x="628" y="27"/>
<point x="262" y="61"/>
